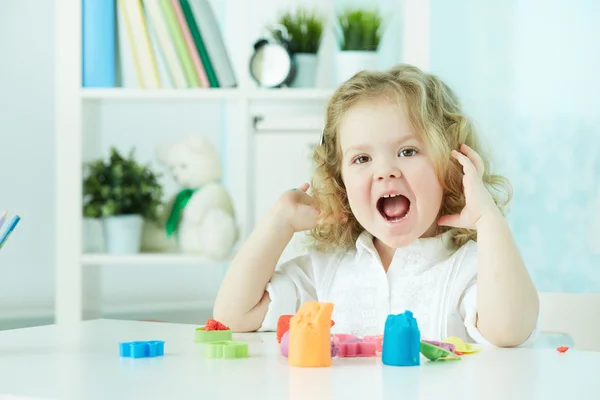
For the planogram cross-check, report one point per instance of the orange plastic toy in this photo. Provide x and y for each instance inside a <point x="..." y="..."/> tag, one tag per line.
<point x="310" y="335"/>
<point x="283" y="325"/>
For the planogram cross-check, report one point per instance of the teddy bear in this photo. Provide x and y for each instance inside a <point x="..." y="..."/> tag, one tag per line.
<point x="200" y="218"/>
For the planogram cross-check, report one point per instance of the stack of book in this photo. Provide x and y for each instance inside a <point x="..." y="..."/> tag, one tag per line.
<point x="153" y="44"/>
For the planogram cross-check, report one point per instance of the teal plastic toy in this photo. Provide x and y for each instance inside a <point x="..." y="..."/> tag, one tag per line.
<point x="401" y="340"/>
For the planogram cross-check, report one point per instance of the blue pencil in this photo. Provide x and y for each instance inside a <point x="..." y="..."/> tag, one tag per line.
<point x="9" y="230"/>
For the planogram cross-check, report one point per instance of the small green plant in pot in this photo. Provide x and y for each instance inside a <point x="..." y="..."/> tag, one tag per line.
<point x="303" y="29"/>
<point x="359" y="33"/>
<point x="122" y="193"/>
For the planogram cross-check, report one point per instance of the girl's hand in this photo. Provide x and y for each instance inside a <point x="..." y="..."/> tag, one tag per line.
<point x="478" y="200"/>
<point x="295" y="210"/>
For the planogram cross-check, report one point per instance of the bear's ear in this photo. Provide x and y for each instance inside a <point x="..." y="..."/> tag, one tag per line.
<point x="199" y="144"/>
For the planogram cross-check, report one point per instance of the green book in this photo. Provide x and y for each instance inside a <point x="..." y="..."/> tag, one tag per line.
<point x="179" y="41"/>
<point x="191" y="21"/>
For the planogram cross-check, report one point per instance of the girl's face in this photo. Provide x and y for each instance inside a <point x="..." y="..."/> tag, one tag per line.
<point x="390" y="181"/>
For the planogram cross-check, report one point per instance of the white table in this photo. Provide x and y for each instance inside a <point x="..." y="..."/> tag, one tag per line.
<point x="83" y="362"/>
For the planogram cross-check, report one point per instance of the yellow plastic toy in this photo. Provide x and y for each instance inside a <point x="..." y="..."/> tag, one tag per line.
<point x="460" y="346"/>
<point x="310" y="335"/>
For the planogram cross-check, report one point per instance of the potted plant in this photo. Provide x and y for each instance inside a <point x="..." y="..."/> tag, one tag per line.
<point x="122" y="194"/>
<point x="304" y="30"/>
<point x="359" y="34"/>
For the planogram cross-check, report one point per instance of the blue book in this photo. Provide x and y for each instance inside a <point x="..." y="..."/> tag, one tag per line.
<point x="98" y="43"/>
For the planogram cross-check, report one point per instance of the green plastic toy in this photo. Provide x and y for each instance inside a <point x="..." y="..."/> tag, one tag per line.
<point x="202" y="336"/>
<point x="433" y="353"/>
<point x="226" y="349"/>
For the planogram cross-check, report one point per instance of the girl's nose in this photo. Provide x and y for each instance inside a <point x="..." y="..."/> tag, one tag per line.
<point x="388" y="171"/>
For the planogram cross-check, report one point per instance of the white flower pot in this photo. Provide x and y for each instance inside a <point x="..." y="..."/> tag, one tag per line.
<point x="123" y="234"/>
<point x="349" y="63"/>
<point x="306" y="70"/>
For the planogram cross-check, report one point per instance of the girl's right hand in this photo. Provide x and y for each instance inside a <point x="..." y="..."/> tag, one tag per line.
<point x="296" y="210"/>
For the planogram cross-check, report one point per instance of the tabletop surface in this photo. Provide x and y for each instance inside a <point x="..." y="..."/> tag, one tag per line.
<point x="83" y="362"/>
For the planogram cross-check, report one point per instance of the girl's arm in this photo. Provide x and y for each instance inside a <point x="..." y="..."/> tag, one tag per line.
<point x="507" y="301"/>
<point x="242" y="301"/>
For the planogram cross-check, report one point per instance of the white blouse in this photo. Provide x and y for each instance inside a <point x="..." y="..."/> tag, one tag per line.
<point x="431" y="277"/>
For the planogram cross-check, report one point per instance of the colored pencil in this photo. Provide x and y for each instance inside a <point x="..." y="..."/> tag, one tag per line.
<point x="8" y="231"/>
<point x="3" y="217"/>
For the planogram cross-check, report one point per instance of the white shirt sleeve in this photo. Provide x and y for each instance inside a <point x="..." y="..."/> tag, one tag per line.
<point x="292" y="284"/>
<point x="468" y="312"/>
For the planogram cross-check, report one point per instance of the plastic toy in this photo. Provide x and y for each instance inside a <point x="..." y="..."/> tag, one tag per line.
<point x="377" y="339"/>
<point x="310" y="335"/>
<point x="352" y="346"/>
<point x="283" y="325"/>
<point x="447" y="346"/>
<point x="213" y="331"/>
<point x="285" y="345"/>
<point x="401" y="340"/>
<point x="142" y="349"/>
<point x="562" y="349"/>
<point x="460" y="347"/>
<point x="212" y="325"/>
<point x="226" y="349"/>
<point x="434" y="353"/>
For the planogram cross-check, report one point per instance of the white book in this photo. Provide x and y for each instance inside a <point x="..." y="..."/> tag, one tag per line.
<point x="144" y="53"/>
<point x="167" y="47"/>
<point x="126" y="69"/>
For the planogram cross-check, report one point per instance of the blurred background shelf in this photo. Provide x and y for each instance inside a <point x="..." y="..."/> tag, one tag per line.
<point x="149" y="259"/>
<point x="206" y="94"/>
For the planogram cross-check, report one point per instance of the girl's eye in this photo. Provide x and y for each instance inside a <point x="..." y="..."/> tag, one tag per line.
<point x="361" y="159"/>
<point x="408" y="152"/>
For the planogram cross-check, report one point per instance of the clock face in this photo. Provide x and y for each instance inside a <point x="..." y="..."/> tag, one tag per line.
<point x="271" y="65"/>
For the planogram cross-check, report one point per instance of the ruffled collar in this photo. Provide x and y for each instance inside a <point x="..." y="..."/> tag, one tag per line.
<point x="416" y="257"/>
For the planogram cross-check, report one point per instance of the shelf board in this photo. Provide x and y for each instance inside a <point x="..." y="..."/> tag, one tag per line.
<point x="145" y="259"/>
<point x="204" y="94"/>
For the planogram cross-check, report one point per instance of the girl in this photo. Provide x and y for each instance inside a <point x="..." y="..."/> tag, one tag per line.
<point x="404" y="215"/>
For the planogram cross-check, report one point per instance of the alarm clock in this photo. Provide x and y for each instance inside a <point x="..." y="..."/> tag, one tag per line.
<point x="272" y="64"/>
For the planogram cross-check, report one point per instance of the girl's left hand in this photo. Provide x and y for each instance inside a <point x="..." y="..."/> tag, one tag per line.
<point x="478" y="200"/>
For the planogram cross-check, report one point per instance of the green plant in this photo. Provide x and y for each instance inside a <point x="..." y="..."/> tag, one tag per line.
<point x="359" y="30"/>
<point x="120" y="186"/>
<point x="304" y="29"/>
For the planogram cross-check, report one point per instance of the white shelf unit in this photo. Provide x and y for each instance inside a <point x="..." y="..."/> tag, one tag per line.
<point x="77" y="109"/>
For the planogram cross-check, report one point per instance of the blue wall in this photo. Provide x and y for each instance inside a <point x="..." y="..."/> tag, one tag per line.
<point x="527" y="72"/>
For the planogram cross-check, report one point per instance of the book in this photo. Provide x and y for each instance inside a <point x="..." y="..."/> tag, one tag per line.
<point x="140" y="43"/>
<point x="199" y="43"/>
<point x="190" y="45"/>
<point x="177" y="37"/>
<point x="98" y="43"/>
<point x="213" y="39"/>
<point x="166" y="46"/>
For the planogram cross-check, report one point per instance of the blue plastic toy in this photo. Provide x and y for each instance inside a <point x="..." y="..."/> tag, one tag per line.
<point x="401" y="340"/>
<point x="141" y="349"/>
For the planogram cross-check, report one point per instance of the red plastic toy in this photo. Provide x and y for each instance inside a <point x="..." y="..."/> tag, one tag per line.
<point x="562" y="349"/>
<point x="212" y="325"/>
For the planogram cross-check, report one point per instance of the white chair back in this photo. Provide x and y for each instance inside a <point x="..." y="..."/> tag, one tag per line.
<point x="575" y="315"/>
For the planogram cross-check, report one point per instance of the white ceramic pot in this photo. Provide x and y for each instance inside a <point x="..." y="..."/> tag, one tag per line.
<point x="349" y="63"/>
<point x="123" y="234"/>
<point x="306" y="70"/>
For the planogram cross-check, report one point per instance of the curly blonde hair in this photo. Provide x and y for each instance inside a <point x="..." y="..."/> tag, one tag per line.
<point x="439" y="122"/>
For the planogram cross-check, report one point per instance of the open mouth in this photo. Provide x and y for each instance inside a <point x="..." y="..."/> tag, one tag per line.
<point x="393" y="207"/>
